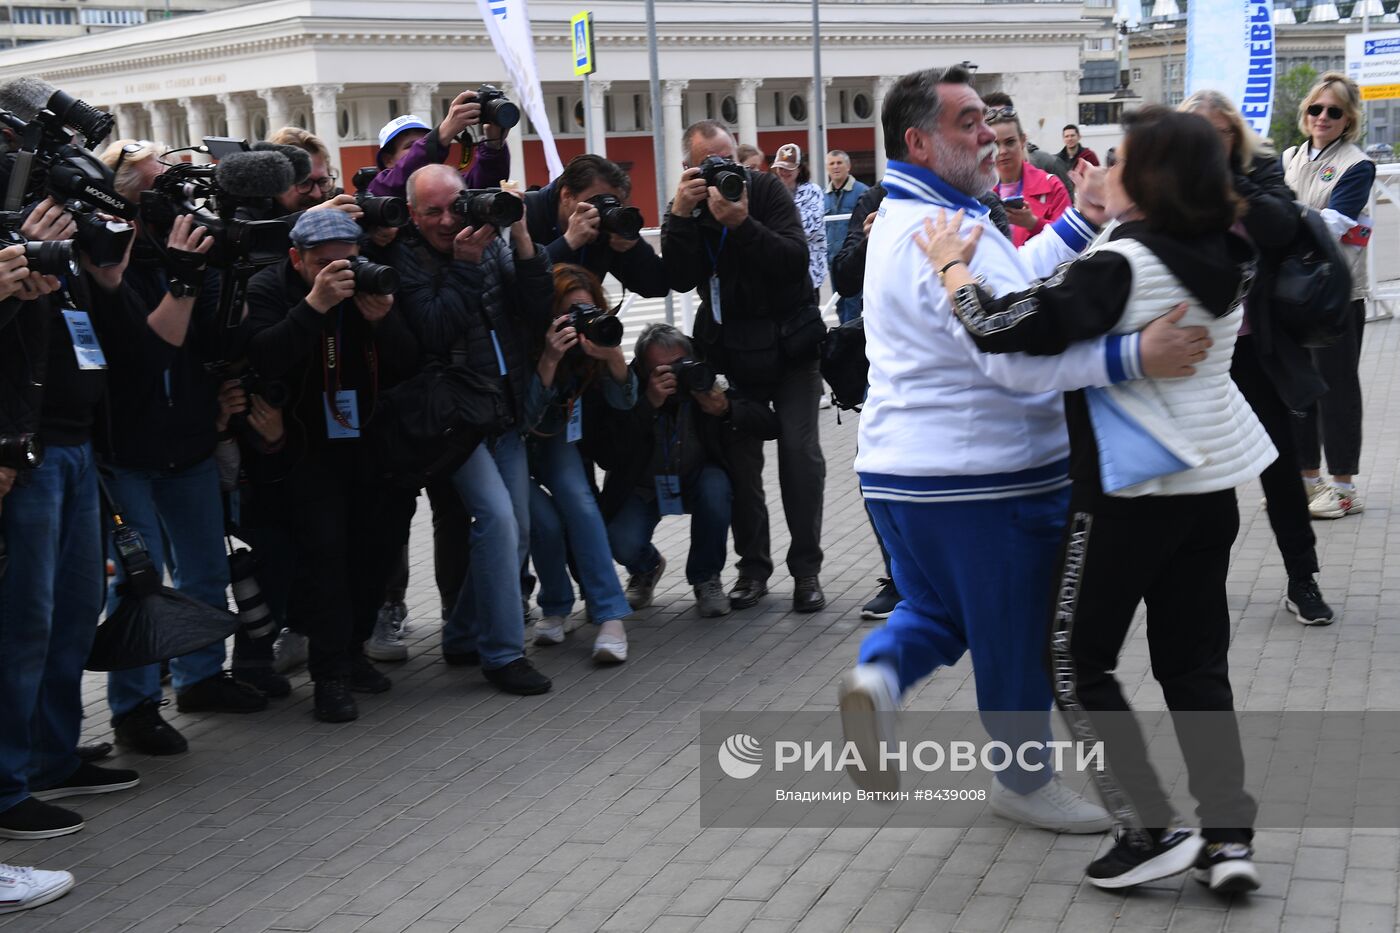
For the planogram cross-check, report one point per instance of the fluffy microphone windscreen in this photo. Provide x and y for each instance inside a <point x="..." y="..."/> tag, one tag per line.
<point x="254" y="174"/>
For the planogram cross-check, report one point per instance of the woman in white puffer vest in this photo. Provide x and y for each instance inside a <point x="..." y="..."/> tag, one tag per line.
<point x="1153" y="465"/>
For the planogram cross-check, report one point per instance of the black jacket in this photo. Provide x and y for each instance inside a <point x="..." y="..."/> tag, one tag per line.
<point x="24" y="329"/>
<point x="622" y="442"/>
<point x="764" y="282"/>
<point x="453" y="305"/>
<point x="639" y="269"/>
<point x="1271" y="220"/>
<point x="287" y="341"/>
<point x="42" y="389"/>
<point x="848" y="266"/>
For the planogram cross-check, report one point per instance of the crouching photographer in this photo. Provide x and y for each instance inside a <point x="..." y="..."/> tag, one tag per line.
<point x="324" y="323"/>
<point x="669" y="455"/>
<point x="584" y="218"/>
<point x="157" y="316"/>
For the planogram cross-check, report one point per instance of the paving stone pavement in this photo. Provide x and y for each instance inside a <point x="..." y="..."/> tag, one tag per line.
<point x="448" y="806"/>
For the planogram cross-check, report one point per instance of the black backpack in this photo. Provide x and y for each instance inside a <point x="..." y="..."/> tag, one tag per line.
<point x="844" y="366"/>
<point x="427" y="426"/>
<point x="1312" y="288"/>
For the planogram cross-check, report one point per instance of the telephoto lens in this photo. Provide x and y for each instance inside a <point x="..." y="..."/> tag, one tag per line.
<point x="372" y="278"/>
<point x="482" y="206"/>
<point x="693" y="375"/>
<point x="495" y="108"/>
<point x="591" y="321"/>
<point x="253" y="612"/>
<point x="51" y="257"/>
<point x="382" y="211"/>
<point x="616" y="217"/>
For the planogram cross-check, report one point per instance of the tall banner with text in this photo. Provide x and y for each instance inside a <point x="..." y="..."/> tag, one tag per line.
<point x="1230" y="48"/>
<point x="508" y="22"/>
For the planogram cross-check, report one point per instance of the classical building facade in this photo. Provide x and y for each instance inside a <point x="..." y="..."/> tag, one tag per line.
<point x="342" y="68"/>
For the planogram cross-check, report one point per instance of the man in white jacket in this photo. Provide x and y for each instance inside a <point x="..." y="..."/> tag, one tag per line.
<point x="963" y="457"/>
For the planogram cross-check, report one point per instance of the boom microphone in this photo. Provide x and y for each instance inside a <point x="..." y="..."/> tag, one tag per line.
<point x="25" y="97"/>
<point x="254" y="174"/>
<point x="299" y="157"/>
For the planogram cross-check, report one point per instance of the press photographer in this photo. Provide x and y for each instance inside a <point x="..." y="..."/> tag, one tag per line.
<point x="736" y="237"/>
<point x="669" y="455"/>
<point x="584" y="218"/>
<point x="325" y="323"/>
<point x="473" y="301"/>
<point x="406" y="143"/>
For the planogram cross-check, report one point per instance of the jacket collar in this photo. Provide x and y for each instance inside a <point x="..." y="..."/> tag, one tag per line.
<point x="1034" y="181"/>
<point x="848" y="186"/>
<point x="908" y="182"/>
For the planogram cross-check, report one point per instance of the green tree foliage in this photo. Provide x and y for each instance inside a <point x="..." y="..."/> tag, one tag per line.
<point x="1289" y="92"/>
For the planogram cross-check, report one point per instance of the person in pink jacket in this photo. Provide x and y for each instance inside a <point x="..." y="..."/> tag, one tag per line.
<point x="1033" y="198"/>
<point x="407" y="143"/>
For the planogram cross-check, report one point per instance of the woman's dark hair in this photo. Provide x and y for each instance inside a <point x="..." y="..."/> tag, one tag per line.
<point x="1176" y="172"/>
<point x="569" y="278"/>
<point x="804" y="172"/>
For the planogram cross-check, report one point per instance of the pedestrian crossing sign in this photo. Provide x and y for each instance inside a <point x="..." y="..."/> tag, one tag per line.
<point x="582" y="25"/>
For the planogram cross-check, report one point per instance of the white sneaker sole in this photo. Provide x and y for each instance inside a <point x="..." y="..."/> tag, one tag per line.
<point x="998" y="805"/>
<point x="38" y="900"/>
<point x="1236" y="876"/>
<point x="552" y="637"/>
<point x="861" y="722"/>
<point x="610" y="654"/>
<point x="386" y="652"/>
<point x="868" y="614"/>
<point x="58" y="793"/>
<point x="1292" y="607"/>
<point x="40" y="833"/>
<point x="1172" y="862"/>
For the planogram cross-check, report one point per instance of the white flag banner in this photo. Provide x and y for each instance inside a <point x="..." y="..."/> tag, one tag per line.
<point x="508" y="22"/>
<point x="1230" y="48"/>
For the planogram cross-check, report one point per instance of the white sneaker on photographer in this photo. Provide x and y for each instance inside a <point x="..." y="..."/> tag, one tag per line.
<point x="869" y="697"/>
<point x="289" y="652"/>
<point x="23" y="888"/>
<point x="385" y="643"/>
<point x="1054" y="807"/>
<point x="550" y="630"/>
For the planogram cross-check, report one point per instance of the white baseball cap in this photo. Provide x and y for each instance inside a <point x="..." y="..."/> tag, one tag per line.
<point x="397" y="125"/>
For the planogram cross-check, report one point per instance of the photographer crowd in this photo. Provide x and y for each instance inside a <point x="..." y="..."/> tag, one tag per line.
<point x="242" y="376"/>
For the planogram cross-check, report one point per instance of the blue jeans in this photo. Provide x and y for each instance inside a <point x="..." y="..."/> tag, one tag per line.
<point x="570" y="509"/>
<point x="181" y="518"/>
<point x="708" y="498"/>
<point x="49" y="602"/>
<point x="494" y="485"/>
<point x="848" y="309"/>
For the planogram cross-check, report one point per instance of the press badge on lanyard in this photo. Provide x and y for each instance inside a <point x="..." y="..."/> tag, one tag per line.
<point x="85" y="346"/>
<point x="344" y="421"/>
<point x="668" y="494"/>
<point x="715" y="311"/>
<point x="574" y="433"/>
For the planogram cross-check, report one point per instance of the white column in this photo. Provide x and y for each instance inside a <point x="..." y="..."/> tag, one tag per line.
<point x="747" y="97"/>
<point x="672" y="113"/>
<point x="160" y="122"/>
<point x="236" y="113"/>
<point x="877" y="94"/>
<point x="124" y="125"/>
<point x="598" y="115"/>
<point x="197" y="119"/>
<point x="278" y="113"/>
<point x="326" y="119"/>
<point x="421" y="102"/>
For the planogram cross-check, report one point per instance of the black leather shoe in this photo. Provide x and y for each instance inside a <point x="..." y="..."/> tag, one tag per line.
<point x="264" y="680"/>
<point x="365" y="677"/>
<point x="144" y="730"/>
<point x="94" y="751"/>
<point x="220" y="694"/>
<point x="807" y="595"/>
<point x="747" y="592"/>
<point x="519" y="677"/>
<point x="334" y="702"/>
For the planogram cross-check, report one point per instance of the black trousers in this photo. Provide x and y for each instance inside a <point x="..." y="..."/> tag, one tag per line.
<point x="1286" y="498"/>
<point x="801" y="478"/>
<point x="1173" y="552"/>
<point x="347" y="529"/>
<point x="452" y="541"/>
<point x="1334" y="423"/>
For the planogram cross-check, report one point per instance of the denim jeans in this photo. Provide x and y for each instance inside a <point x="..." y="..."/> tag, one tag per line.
<point x="494" y="485"/>
<point x="181" y="518"/>
<point x="708" y="498"/>
<point x="848" y="309"/>
<point x="570" y="513"/>
<point x="50" y="598"/>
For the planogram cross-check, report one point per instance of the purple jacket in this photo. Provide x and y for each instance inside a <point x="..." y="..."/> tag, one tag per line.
<point x="490" y="168"/>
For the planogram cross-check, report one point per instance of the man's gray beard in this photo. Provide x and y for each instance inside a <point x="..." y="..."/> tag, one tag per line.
<point x="962" y="172"/>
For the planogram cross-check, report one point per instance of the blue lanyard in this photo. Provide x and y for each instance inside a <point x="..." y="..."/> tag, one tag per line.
<point x="715" y="253"/>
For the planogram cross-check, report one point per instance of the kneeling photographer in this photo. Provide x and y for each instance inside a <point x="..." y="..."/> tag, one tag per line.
<point x="324" y="322"/>
<point x="669" y="455"/>
<point x="157" y="316"/>
<point x="583" y="217"/>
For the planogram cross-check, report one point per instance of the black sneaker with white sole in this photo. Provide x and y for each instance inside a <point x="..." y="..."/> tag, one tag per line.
<point x="1228" y="867"/>
<point x="1305" y="601"/>
<point x="89" y="779"/>
<point x="34" y="819"/>
<point x="883" y="602"/>
<point x="1127" y="865"/>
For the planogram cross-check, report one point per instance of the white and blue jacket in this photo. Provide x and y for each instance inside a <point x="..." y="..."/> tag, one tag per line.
<point x="944" y="422"/>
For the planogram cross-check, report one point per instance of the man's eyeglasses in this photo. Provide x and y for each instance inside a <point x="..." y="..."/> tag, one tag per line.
<point x="1333" y="113"/>
<point x="998" y="114"/>
<point x="325" y="183"/>
<point x="130" y="150"/>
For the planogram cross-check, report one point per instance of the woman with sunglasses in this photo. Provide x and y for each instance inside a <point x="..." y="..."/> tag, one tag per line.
<point x="1330" y="173"/>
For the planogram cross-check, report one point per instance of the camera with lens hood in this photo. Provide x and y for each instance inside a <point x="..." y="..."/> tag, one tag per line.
<point x="616" y="217"/>
<point x="46" y="257"/>
<point x="482" y="206"/>
<point x="496" y="108"/>
<point x="591" y="321"/>
<point x="693" y="375"/>
<point x="725" y="174"/>
<point x="372" y="278"/>
<point x="379" y="211"/>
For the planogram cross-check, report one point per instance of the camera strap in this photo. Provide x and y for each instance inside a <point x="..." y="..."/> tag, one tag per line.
<point x="715" y="311"/>
<point x="340" y="408"/>
<point x="668" y="481"/>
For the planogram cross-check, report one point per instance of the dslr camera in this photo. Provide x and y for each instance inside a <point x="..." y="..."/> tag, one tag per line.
<point x="272" y="391"/>
<point x="373" y="278"/>
<point x="615" y="217"/>
<point x="21" y="451"/>
<point x="46" y="257"/>
<point x="597" y="325"/>
<point x="496" y="108"/>
<point x="693" y="375"/>
<point x="728" y="176"/>
<point x="378" y="211"/>
<point x="482" y="206"/>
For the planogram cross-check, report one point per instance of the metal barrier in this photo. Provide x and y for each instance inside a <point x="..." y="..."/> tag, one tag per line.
<point x="1383" y="296"/>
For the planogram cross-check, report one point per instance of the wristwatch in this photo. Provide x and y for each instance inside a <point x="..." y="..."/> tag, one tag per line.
<point x="179" y="289"/>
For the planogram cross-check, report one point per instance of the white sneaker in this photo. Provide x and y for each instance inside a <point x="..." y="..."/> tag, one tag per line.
<point x="1054" y="807"/>
<point x="386" y="644"/>
<point x="1349" y="500"/>
<point x="610" y="649"/>
<point x="868" y="701"/>
<point x="550" y="631"/>
<point x="398" y="613"/>
<point x="289" y="652"/>
<point x="1323" y="501"/>
<point x="22" y="888"/>
<point x="824" y="401"/>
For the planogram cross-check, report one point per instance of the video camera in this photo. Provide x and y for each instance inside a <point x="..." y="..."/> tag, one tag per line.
<point x="378" y="211"/>
<point x="615" y="217"/>
<point x="203" y="192"/>
<point x="593" y="322"/>
<point x="482" y="206"/>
